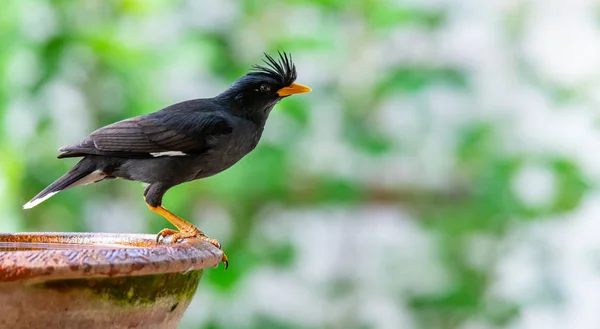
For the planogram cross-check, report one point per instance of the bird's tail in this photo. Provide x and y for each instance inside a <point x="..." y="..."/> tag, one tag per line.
<point x="82" y="173"/>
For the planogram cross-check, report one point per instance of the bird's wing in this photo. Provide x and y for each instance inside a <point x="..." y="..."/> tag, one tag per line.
<point x="171" y="134"/>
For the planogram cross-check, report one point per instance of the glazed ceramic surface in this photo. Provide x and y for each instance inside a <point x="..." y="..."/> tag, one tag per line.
<point x="86" y="280"/>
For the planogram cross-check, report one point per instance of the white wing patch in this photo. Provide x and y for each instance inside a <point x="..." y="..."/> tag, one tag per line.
<point x="168" y="154"/>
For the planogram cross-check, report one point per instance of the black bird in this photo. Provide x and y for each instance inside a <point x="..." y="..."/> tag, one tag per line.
<point x="183" y="142"/>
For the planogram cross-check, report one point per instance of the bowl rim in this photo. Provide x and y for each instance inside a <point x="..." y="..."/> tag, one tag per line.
<point x="43" y="256"/>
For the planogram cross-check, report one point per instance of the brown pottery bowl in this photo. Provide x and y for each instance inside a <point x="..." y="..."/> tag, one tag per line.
<point x="98" y="280"/>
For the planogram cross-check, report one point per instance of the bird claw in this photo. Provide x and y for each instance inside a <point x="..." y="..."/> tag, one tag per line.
<point x="170" y="236"/>
<point x="217" y="244"/>
<point x="225" y="260"/>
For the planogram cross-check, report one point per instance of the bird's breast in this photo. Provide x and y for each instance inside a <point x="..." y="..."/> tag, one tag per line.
<point x="225" y="152"/>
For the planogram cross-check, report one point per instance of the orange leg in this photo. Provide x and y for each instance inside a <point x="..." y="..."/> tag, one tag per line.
<point x="186" y="230"/>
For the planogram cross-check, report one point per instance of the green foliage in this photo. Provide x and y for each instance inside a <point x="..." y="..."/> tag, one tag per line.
<point x="129" y="57"/>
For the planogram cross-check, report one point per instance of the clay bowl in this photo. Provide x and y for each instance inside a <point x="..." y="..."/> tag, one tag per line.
<point x="98" y="280"/>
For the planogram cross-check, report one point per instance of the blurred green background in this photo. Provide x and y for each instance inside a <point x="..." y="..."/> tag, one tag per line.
<point x="440" y="175"/>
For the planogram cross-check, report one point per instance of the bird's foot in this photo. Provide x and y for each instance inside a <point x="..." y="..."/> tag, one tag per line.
<point x="170" y="236"/>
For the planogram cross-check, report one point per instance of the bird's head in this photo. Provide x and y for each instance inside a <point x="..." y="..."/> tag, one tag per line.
<point x="263" y="87"/>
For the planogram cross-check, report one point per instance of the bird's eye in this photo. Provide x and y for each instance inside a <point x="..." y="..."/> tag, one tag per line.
<point x="265" y="88"/>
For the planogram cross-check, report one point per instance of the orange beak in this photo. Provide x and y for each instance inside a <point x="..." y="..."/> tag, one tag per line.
<point x="294" y="88"/>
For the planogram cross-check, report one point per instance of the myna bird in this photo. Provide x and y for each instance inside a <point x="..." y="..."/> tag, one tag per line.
<point x="183" y="142"/>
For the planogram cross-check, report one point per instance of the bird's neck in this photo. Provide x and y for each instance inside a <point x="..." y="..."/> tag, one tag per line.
<point x="257" y="116"/>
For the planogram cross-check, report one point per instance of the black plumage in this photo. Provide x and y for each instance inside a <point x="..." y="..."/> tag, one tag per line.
<point x="183" y="142"/>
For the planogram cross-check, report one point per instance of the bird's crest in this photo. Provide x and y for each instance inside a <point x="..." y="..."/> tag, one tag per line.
<point x="282" y="70"/>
